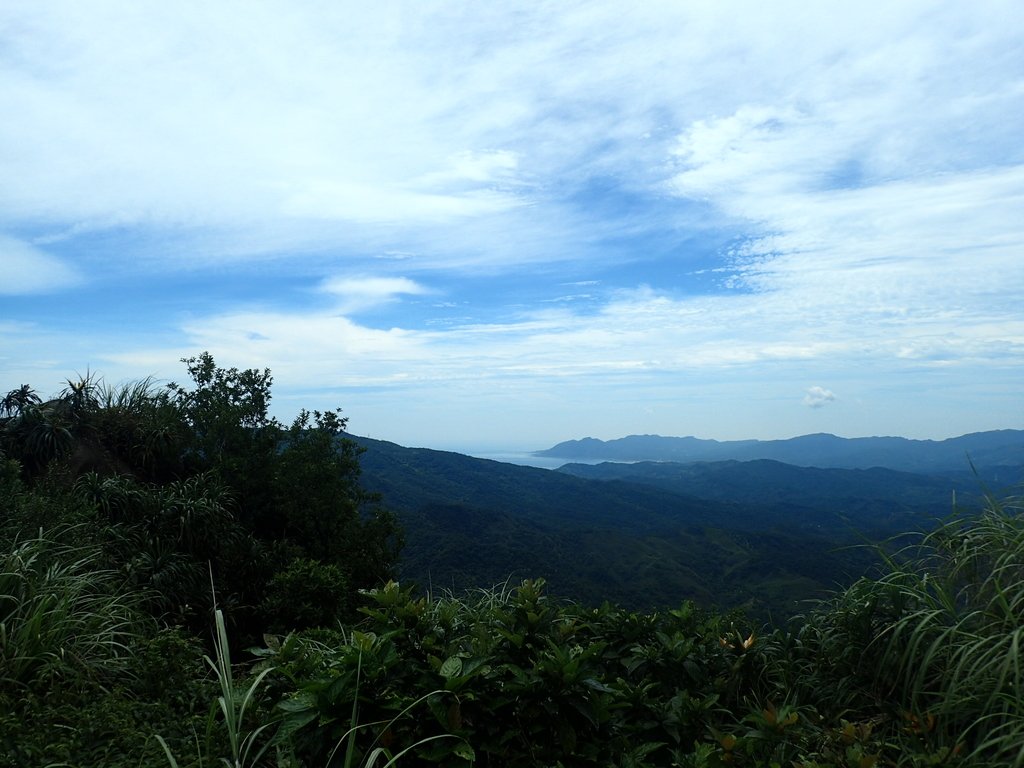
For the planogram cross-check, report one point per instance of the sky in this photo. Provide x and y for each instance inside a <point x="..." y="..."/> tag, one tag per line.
<point x="502" y="225"/>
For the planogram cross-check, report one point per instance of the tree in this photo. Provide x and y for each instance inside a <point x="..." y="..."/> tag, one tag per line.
<point x="323" y="509"/>
<point x="297" y="488"/>
<point x="227" y="422"/>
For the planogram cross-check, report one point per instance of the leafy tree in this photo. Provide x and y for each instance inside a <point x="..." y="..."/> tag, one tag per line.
<point x="229" y="429"/>
<point x="320" y="503"/>
<point x="296" y="487"/>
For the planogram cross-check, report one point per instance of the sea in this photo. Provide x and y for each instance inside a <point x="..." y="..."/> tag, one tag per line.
<point x="527" y="459"/>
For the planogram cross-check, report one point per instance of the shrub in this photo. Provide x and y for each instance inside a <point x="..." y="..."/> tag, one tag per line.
<point x="306" y="594"/>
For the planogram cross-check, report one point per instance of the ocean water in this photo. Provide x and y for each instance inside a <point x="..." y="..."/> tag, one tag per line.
<point x="517" y="457"/>
<point x="527" y="459"/>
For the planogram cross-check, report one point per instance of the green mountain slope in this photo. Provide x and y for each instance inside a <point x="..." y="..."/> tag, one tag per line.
<point x="874" y="501"/>
<point x="473" y="522"/>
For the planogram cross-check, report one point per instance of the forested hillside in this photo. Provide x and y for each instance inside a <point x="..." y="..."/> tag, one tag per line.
<point x="762" y="535"/>
<point x="873" y="502"/>
<point x="185" y="581"/>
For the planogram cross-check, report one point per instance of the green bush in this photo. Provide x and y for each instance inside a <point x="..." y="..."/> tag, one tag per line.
<point x="520" y="680"/>
<point x="85" y="676"/>
<point x="306" y="594"/>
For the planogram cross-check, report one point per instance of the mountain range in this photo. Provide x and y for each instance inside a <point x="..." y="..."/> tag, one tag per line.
<point x="998" y="448"/>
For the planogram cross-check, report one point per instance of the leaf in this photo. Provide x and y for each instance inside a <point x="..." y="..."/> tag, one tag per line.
<point x="300" y="702"/>
<point x="597" y="685"/>
<point x="694" y="671"/>
<point x="465" y="751"/>
<point x="469" y="666"/>
<point x="451" y="667"/>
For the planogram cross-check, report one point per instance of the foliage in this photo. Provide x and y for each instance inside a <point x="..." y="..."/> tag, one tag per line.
<point x="297" y="488"/>
<point x="83" y="672"/>
<point x="244" y="744"/>
<point x="307" y="593"/>
<point x="115" y="505"/>
<point x="185" y="478"/>
<point x="529" y="681"/>
<point x="318" y="501"/>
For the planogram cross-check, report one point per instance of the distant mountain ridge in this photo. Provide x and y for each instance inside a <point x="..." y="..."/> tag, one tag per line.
<point x="997" y="448"/>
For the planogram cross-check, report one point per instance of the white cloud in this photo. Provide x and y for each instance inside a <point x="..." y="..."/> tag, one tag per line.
<point x="875" y="207"/>
<point x="359" y="293"/>
<point x="344" y="201"/>
<point x="230" y="116"/>
<point x="818" y="397"/>
<point x="486" y="167"/>
<point x="634" y="335"/>
<point x="29" y="270"/>
<point x="283" y="128"/>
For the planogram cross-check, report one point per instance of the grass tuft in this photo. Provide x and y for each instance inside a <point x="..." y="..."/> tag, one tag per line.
<point x="62" y="617"/>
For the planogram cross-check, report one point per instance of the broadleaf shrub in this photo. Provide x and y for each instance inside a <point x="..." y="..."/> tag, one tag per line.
<point x="306" y="594"/>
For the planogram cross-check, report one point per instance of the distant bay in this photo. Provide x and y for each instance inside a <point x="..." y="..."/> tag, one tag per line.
<point x="522" y="458"/>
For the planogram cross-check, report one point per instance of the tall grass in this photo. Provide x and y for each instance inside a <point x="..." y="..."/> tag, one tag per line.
<point x="941" y="635"/>
<point x="246" y="746"/>
<point x="62" y="616"/>
<point x="233" y="703"/>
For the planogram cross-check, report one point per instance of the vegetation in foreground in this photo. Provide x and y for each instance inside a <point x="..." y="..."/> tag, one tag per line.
<point x="117" y="507"/>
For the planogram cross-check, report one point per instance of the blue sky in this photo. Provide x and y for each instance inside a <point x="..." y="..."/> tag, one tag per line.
<point x="502" y="225"/>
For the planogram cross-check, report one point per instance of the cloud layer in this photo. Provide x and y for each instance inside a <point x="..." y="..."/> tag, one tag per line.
<point x="389" y="206"/>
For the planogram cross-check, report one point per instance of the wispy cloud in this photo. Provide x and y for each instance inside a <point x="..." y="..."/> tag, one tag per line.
<point x="30" y="270"/>
<point x="801" y="192"/>
<point x="359" y="293"/>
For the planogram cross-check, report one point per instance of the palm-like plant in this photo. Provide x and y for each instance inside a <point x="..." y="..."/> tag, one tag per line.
<point x="135" y="428"/>
<point x="17" y="400"/>
<point x="38" y="432"/>
<point x="80" y="397"/>
<point x="140" y="425"/>
<point x="37" y="435"/>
